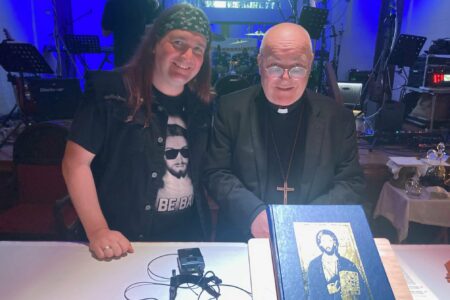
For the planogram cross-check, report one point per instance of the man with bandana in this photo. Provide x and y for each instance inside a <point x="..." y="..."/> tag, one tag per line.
<point x="132" y="126"/>
<point x="279" y="143"/>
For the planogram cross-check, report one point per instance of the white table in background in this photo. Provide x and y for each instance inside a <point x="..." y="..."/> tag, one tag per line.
<point x="60" y="270"/>
<point x="400" y="209"/>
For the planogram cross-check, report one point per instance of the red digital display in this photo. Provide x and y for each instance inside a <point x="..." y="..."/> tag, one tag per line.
<point x="437" y="78"/>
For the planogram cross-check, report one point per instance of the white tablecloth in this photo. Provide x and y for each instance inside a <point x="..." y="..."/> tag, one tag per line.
<point x="395" y="205"/>
<point x="66" y="271"/>
<point x="423" y="266"/>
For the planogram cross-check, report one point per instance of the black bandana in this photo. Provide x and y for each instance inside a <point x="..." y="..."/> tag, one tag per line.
<point x="188" y="18"/>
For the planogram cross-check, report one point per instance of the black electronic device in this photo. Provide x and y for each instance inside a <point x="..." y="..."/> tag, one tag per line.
<point x="415" y="77"/>
<point x="432" y="70"/>
<point x="313" y="20"/>
<point x="190" y="261"/>
<point x="440" y="46"/>
<point x="54" y="99"/>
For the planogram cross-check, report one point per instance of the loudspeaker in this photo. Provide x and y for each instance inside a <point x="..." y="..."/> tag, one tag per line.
<point x="355" y="75"/>
<point x="351" y="93"/>
<point x="387" y="118"/>
<point x="55" y="98"/>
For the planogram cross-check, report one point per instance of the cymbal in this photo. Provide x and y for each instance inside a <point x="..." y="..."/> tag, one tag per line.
<point x="239" y="42"/>
<point x="256" y="33"/>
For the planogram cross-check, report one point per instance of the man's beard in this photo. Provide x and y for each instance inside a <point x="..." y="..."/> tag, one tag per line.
<point x="329" y="252"/>
<point x="178" y="174"/>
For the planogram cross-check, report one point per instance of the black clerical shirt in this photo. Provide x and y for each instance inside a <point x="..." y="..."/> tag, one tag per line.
<point x="281" y="130"/>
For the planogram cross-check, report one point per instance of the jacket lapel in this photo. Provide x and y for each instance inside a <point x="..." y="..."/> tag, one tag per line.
<point x="259" y="140"/>
<point x="313" y="146"/>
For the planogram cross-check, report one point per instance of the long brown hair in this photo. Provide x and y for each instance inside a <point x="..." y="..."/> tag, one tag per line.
<point x="138" y="73"/>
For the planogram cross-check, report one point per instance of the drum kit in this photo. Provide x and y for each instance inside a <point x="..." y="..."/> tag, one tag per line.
<point x="242" y="64"/>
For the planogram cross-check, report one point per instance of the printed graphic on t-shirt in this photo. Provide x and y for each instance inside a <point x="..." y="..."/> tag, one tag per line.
<point x="177" y="191"/>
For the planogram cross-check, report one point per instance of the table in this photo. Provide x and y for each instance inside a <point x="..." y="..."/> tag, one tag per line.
<point x="433" y="92"/>
<point x="400" y="209"/>
<point x="423" y="266"/>
<point x="64" y="270"/>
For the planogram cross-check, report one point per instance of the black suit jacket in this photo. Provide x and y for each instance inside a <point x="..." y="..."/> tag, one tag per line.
<point x="235" y="172"/>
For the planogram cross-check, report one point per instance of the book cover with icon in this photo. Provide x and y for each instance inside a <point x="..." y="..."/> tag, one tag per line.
<point x="325" y="252"/>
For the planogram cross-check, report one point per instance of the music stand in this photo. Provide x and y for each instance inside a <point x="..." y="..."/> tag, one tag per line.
<point x="313" y="20"/>
<point x="82" y="44"/>
<point x="20" y="58"/>
<point x="406" y="50"/>
<point x="78" y="44"/>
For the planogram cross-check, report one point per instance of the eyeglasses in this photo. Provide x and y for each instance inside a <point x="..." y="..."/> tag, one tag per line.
<point x="296" y="72"/>
<point x="173" y="153"/>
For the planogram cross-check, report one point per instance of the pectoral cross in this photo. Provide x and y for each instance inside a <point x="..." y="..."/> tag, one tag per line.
<point x="285" y="189"/>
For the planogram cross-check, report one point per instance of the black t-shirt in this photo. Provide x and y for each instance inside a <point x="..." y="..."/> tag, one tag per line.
<point x="174" y="216"/>
<point x="281" y="132"/>
<point x="127" y="20"/>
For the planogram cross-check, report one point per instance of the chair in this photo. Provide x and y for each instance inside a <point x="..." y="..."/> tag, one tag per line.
<point x="42" y="210"/>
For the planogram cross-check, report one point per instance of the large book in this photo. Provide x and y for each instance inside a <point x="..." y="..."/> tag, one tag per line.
<point x="325" y="252"/>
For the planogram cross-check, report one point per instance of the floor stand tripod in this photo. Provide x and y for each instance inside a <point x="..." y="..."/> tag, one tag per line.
<point x="20" y="58"/>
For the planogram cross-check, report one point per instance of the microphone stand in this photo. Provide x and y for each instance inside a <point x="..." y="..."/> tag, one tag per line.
<point x="60" y="44"/>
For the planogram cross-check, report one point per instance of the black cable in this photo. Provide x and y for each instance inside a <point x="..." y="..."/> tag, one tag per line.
<point x="192" y="286"/>
<point x="227" y="285"/>
<point x="199" y="295"/>
<point x="150" y="273"/>
<point x="236" y="287"/>
<point x="205" y="282"/>
<point x="214" y="283"/>
<point x="139" y="284"/>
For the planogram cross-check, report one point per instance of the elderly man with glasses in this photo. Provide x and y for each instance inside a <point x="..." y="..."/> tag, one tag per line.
<point x="279" y="143"/>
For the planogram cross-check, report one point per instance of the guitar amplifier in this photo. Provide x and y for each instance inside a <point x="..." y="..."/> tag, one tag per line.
<point x="351" y="94"/>
<point x="430" y="71"/>
<point x="355" y="75"/>
<point x="54" y="98"/>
